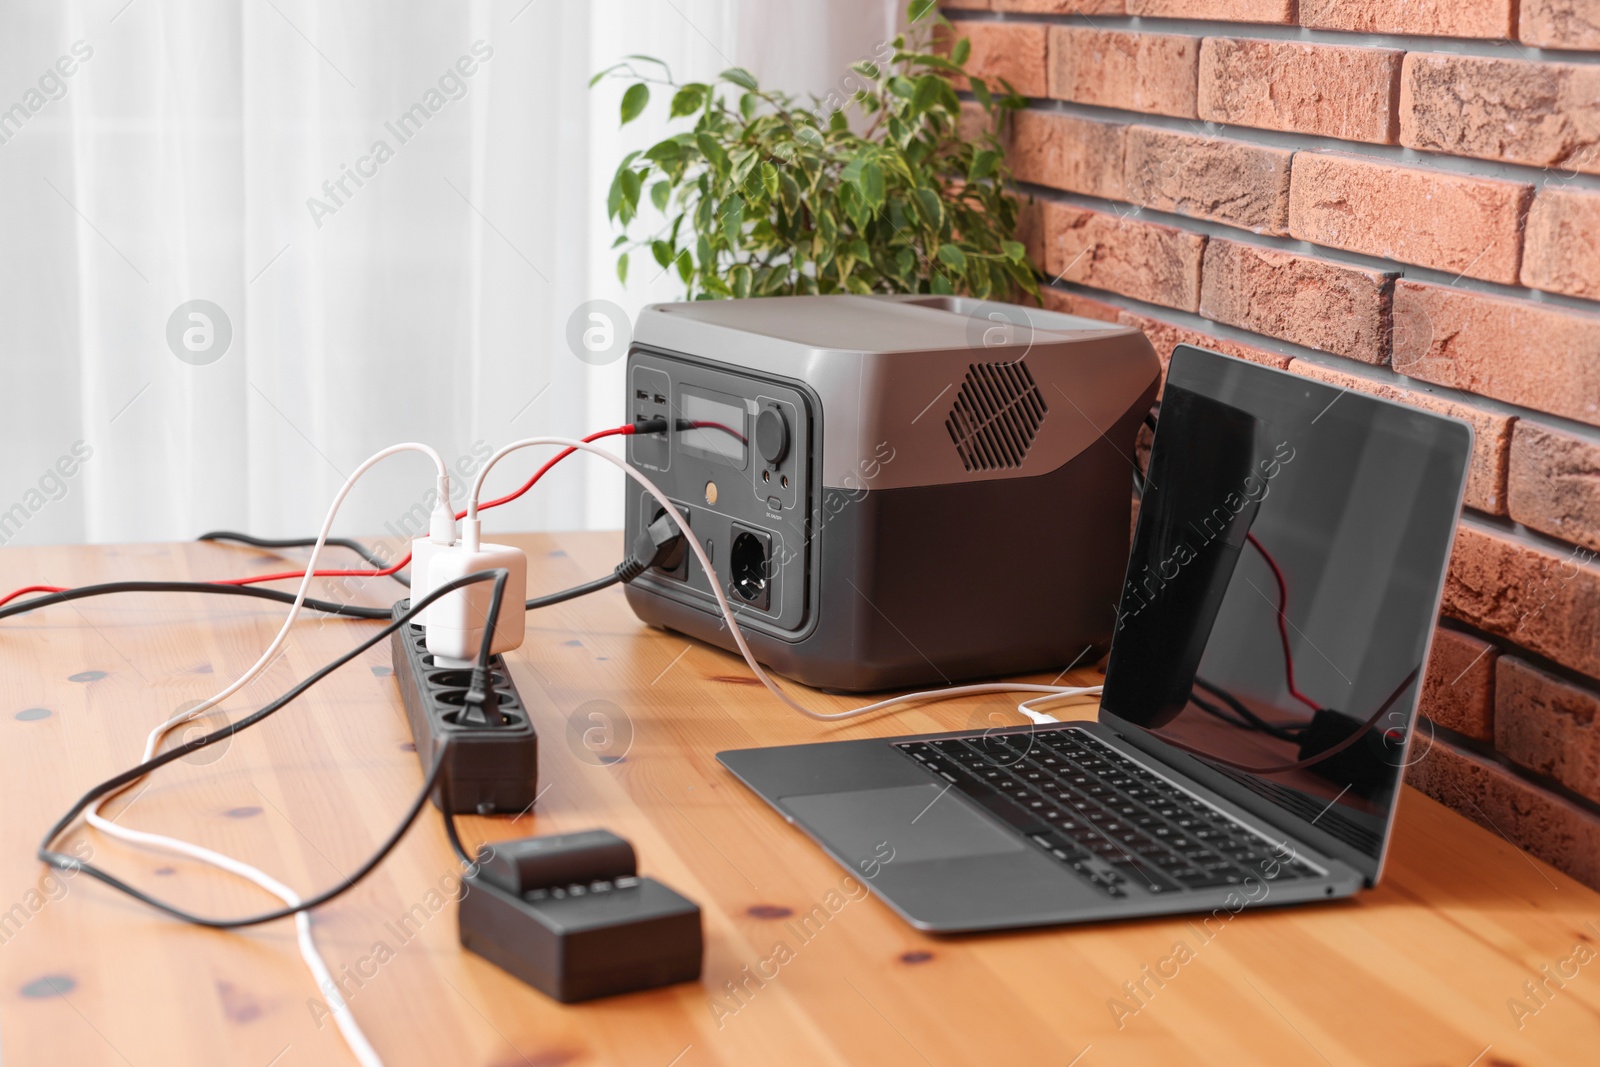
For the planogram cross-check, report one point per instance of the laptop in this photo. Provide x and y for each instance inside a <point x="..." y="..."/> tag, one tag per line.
<point x="1259" y="698"/>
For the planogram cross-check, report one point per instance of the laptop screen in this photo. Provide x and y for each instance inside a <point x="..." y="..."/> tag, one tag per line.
<point x="1282" y="591"/>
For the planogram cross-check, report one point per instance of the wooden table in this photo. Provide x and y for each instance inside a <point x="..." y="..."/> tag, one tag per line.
<point x="1421" y="971"/>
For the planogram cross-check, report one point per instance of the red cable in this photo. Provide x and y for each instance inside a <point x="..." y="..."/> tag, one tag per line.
<point x="259" y="578"/>
<point x="529" y="484"/>
<point x="9" y="597"/>
<point x="1283" y="624"/>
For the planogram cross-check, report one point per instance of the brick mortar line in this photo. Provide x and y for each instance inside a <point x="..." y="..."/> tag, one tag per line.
<point x="1379" y="374"/>
<point x="1487" y="753"/>
<point x="1489" y="48"/>
<point x="1506" y="526"/>
<point x="1260" y="137"/>
<point x="1294" y="245"/>
<point x="1575" y="678"/>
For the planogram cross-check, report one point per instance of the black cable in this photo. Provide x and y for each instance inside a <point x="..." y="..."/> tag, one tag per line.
<point x="1150" y="418"/>
<point x="115" y="784"/>
<point x="305" y="542"/>
<point x="1211" y="709"/>
<point x="480" y="691"/>
<point x="329" y="607"/>
<point x="1283" y="732"/>
<point x="1325" y="754"/>
<point x="282" y="597"/>
<point x="452" y="833"/>
<point x="654" y="544"/>
<point x="646" y="554"/>
<point x="576" y="591"/>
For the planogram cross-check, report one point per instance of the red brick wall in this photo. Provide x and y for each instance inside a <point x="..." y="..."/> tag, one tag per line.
<point x="1400" y="198"/>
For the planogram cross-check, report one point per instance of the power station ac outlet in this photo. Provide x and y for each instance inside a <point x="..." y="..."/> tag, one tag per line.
<point x="751" y="567"/>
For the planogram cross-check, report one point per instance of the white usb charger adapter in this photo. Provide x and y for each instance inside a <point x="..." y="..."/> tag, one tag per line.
<point x="455" y="622"/>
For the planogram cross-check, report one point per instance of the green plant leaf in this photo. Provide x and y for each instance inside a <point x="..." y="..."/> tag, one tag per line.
<point x="931" y="59"/>
<point x="668" y="151"/>
<point x="827" y="228"/>
<point x="614" y="194"/>
<point x="919" y="8"/>
<point x="622" y="268"/>
<point x="905" y="263"/>
<point x="926" y="92"/>
<point x="634" y="101"/>
<point x="789" y="193"/>
<point x="769" y="194"/>
<point x="980" y="92"/>
<point x="733" y="220"/>
<point x="595" y="80"/>
<point x="715" y="154"/>
<point x="687" y="100"/>
<point x="872" y="185"/>
<point x="631" y="186"/>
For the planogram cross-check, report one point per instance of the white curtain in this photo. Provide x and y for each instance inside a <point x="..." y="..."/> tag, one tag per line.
<point x="160" y="152"/>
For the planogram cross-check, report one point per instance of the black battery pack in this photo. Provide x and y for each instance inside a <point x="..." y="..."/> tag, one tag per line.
<point x="569" y="915"/>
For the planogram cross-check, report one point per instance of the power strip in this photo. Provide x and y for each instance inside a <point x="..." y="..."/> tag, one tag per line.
<point x="490" y="769"/>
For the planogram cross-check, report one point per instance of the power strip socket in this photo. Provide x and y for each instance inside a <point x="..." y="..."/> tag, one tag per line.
<point x="491" y="769"/>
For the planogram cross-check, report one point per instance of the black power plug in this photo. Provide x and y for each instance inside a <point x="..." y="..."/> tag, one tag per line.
<point x="1364" y="767"/>
<point x="569" y="915"/>
<point x="658" y="545"/>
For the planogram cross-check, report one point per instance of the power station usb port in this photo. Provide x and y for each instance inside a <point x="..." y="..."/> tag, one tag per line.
<point x="641" y="394"/>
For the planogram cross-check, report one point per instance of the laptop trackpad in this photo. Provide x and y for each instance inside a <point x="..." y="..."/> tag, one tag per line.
<point x="919" y="822"/>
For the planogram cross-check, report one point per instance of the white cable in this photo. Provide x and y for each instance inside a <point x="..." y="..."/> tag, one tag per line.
<point x="1052" y="691"/>
<point x="342" y="1017"/>
<point x="348" y="1028"/>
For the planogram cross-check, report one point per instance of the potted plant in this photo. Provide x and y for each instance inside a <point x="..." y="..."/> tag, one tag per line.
<point x="761" y="195"/>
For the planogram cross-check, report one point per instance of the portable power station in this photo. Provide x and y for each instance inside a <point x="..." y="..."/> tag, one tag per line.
<point x="893" y="490"/>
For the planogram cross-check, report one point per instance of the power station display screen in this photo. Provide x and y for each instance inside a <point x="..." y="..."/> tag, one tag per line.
<point x="713" y="425"/>
<point x="1282" y="588"/>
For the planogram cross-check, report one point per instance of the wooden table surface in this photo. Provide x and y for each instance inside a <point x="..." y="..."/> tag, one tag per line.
<point x="1424" y="970"/>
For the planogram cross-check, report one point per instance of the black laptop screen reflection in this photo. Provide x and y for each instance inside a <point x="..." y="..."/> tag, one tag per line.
<point x="1282" y="587"/>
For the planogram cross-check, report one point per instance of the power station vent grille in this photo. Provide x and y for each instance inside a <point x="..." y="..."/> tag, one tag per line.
<point x="996" y="416"/>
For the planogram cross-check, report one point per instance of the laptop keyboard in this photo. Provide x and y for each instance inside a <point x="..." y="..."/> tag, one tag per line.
<point x="1102" y="815"/>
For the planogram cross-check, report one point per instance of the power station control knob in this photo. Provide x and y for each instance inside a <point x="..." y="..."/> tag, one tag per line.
<point x="772" y="435"/>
